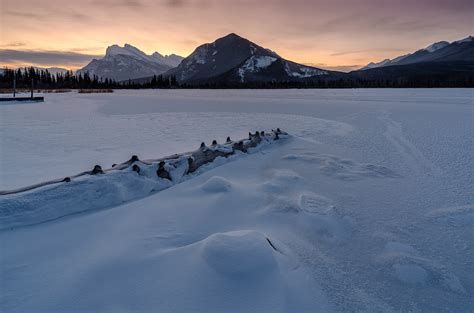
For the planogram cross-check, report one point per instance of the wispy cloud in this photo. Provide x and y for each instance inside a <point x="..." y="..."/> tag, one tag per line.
<point x="175" y="3"/>
<point x="365" y="51"/>
<point x="51" y="58"/>
<point x="13" y="44"/>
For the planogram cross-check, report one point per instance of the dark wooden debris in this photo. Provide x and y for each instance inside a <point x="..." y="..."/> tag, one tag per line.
<point x="162" y="172"/>
<point x="97" y="170"/>
<point x="136" y="168"/>
<point x="195" y="159"/>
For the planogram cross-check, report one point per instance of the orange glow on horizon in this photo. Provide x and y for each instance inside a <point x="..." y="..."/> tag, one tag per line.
<point x="321" y="33"/>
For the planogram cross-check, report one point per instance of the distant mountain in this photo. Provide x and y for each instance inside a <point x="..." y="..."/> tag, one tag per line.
<point x="233" y="59"/>
<point x="52" y="70"/>
<point x="443" y="51"/>
<point x="128" y="62"/>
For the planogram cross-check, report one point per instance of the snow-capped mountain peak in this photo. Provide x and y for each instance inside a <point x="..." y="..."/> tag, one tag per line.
<point x="172" y="60"/>
<point x="467" y="39"/>
<point x="236" y="59"/>
<point x="127" y="49"/>
<point x="129" y="62"/>
<point x="438" y="51"/>
<point x="436" y="46"/>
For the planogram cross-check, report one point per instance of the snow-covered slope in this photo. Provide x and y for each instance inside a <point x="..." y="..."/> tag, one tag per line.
<point x="460" y="50"/>
<point x="367" y="207"/>
<point x="172" y="60"/>
<point x="128" y="62"/>
<point x="236" y="59"/>
<point x="436" y="46"/>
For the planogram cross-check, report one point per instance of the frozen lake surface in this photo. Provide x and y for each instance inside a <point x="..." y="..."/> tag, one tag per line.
<point x="370" y="203"/>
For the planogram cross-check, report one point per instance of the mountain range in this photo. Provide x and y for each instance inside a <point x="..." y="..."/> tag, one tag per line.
<point x="461" y="50"/>
<point x="233" y="61"/>
<point x="128" y="62"/>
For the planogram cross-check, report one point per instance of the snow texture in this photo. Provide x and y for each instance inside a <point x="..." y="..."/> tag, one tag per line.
<point x="368" y="207"/>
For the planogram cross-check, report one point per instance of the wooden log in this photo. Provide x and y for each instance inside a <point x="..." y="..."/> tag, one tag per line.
<point x="239" y="146"/>
<point x="204" y="156"/>
<point x="196" y="159"/>
<point x="134" y="158"/>
<point x="253" y="142"/>
<point x="136" y="168"/>
<point x="162" y="172"/>
<point x="97" y="170"/>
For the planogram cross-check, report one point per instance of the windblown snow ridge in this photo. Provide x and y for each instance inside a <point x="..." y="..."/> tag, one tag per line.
<point x="101" y="188"/>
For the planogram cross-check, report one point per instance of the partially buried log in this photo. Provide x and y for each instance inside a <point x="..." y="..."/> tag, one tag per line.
<point x="136" y="168"/>
<point x="162" y="172"/>
<point x="134" y="158"/>
<point x="195" y="159"/>
<point x="239" y="146"/>
<point x="97" y="170"/>
<point x="254" y="141"/>
<point x="203" y="156"/>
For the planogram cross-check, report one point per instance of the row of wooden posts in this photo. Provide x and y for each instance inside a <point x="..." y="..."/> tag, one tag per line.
<point x="196" y="159"/>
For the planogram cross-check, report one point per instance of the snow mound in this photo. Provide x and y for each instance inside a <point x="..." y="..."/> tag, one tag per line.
<point x="285" y="175"/>
<point x="344" y="169"/>
<point x="408" y="266"/>
<point x="282" y="204"/>
<point x="313" y="203"/>
<point x="83" y="194"/>
<point x="271" y="187"/>
<point x="216" y="184"/>
<point x="241" y="252"/>
<point x="410" y="273"/>
<point x="399" y="248"/>
<point x="461" y="210"/>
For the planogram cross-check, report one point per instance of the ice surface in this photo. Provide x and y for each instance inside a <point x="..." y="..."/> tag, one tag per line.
<point x="368" y="207"/>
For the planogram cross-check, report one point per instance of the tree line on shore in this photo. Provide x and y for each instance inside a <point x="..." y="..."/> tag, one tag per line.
<point x="43" y="79"/>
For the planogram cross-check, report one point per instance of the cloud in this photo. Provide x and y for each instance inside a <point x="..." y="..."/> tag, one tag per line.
<point x="175" y="3"/>
<point x="27" y="15"/>
<point x="112" y="4"/>
<point x="13" y="44"/>
<point x="365" y="51"/>
<point x="51" y="58"/>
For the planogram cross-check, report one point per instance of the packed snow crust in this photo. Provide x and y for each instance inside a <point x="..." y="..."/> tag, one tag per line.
<point x="367" y="207"/>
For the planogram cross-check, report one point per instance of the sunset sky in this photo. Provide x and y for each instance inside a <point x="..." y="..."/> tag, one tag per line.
<point x="331" y="34"/>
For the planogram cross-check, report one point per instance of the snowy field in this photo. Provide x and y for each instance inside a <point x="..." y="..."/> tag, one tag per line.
<point x="368" y="206"/>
